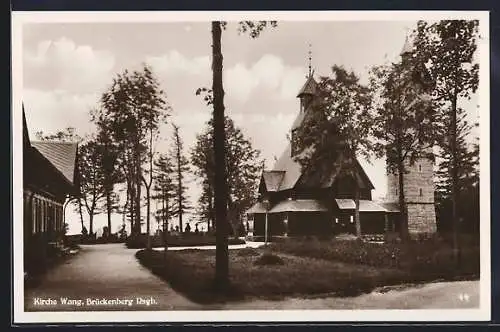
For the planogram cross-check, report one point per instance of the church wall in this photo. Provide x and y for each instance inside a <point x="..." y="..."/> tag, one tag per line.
<point x="421" y="219"/>
<point x="419" y="195"/>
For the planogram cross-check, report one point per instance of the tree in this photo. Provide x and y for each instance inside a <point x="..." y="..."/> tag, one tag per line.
<point x="242" y="167"/>
<point x="164" y="189"/>
<point x="220" y="188"/>
<point x="67" y="135"/>
<point x="91" y="179"/>
<point x="181" y="166"/>
<point x="111" y="172"/>
<point x="448" y="46"/>
<point x="131" y="111"/>
<point x="337" y="130"/>
<point x="404" y="119"/>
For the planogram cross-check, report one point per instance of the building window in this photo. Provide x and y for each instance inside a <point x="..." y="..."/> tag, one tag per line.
<point x="420" y="168"/>
<point x="420" y="191"/>
<point x="352" y="219"/>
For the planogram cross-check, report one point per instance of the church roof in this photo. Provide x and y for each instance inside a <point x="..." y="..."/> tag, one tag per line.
<point x="272" y="179"/>
<point x="407" y="47"/>
<point x="291" y="168"/>
<point x="299" y="205"/>
<point x="309" y="87"/>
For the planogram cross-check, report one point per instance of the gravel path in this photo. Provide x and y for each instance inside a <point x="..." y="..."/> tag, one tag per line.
<point x="104" y="272"/>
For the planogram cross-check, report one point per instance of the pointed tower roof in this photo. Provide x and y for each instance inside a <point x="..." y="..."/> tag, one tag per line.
<point x="407" y="47"/>
<point x="309" y="87"/>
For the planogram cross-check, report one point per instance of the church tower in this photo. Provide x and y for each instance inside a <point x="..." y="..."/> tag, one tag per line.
<point x="418" y="186"/>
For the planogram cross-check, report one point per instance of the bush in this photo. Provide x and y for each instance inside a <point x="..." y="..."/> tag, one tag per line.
<point x="269" y="259"/>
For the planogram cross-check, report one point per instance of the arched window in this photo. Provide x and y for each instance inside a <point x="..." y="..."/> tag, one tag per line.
<point x="420" y="168"/>
<point x="420" y="191"/>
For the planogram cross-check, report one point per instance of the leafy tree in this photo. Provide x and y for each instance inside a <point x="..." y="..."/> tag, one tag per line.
<point x="164" y="189"/>
<point x="220" y="189"/>
<point x="337" y="129"/>
<point x="242" y="169"/>
<point x="131" y="111"/>
<point x="112" y="174"/>
<point x="181" y="166"/>
<point x="92" y="188"/>
<point x="404" y="119"/>
<point x="448" y="46"/>
<point x="67" y="135"/>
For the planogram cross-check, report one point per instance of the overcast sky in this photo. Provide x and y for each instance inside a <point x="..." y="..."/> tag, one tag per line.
<point x="67" y="67"/>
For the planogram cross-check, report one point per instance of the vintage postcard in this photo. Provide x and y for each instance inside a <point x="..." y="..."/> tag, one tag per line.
<point x="251" y="166"/>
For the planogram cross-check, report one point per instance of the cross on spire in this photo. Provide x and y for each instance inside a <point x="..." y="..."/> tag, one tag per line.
<point x="310" y="61"/>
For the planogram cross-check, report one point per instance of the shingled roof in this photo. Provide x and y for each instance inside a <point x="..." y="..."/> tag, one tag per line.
<point x="272" y="179"/>
<point x="62" y="155"/>
<point x="309" y="87"/>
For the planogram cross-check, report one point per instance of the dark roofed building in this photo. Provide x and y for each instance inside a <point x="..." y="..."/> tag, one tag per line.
<point x="297" y="203"/>
<point x="50" y="177"/>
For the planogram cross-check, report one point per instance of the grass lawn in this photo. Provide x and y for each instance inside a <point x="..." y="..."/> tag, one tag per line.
<point x="191" y="272"/>
<point x="420" y="260"/>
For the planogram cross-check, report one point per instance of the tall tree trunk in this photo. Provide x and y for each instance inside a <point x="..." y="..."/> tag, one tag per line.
<point x="165" y="224"/>
<point x="109" y="208"/>
<point x="403" y="226"/>
<point x="179" y="183"/>
<point x="148" y="212"/>
<point x="91" y="225"/>
<point x="80" y="212"/>
<point x="138" y="189"/>
<point x="357" y="220"/>
<point x="454" y="177"/>
<point x="221" y="252"/>
<point x="133" y="229"/>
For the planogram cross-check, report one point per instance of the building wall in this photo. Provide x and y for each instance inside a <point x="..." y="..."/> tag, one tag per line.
<point x="421" y="218"/>
<point x="419" y="195"/>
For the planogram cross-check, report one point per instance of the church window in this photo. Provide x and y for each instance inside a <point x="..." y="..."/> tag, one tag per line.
<point x="420" y="191"/>
<point x="420" y="168"/>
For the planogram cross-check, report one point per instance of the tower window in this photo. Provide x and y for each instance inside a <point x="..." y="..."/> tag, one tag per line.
<point x="420" y="191"/>
<point x="420" y="168"/>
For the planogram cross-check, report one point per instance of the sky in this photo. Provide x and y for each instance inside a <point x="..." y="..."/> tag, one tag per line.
<point x="67" y="66"/>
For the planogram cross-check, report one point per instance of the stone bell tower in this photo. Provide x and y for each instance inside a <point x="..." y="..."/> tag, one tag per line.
<point x="418" y="187"/>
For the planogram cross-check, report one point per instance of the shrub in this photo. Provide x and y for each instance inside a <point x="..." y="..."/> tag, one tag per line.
<point x="269" y="259"/>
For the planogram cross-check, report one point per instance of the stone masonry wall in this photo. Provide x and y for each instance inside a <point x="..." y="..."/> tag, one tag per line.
<point x="419" y="195"/>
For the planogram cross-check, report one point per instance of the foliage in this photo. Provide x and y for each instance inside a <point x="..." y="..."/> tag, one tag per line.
<point x="243" y="168"/>
<point x="164" y="187"/>
<point x="448" y="47"/>
<point x="336" y="129"/>
<point x="131" y="111"/>
<point x="90" y="165"/>
<point x="269" y="259"/>
<point x="404" y="122"/>
<point x="67" y="135"/>
<point x="180" y="167"/>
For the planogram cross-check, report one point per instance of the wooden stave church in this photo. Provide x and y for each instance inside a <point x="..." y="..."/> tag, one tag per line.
<point x="301" y="205"/>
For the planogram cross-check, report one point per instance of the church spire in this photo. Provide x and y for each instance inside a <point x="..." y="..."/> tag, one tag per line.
<point x="310" y="61"/>
<point x="407" y="48"/>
